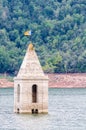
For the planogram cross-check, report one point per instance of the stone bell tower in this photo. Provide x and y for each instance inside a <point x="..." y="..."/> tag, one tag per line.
<point x="31" y="86"/>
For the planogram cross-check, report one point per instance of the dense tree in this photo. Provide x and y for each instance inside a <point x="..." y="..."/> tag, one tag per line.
<point x="58" y="33"/>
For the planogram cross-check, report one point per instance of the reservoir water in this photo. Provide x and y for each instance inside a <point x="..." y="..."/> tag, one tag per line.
<point x="67" y="111"/>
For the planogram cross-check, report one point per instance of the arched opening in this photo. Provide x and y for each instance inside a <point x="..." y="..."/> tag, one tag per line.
<point x="18" y="93"/>
<point x="32" y="111"/>
<point x="34" y="93"/>
<point x="17" y="110"/>
<point x="36" y="111"/>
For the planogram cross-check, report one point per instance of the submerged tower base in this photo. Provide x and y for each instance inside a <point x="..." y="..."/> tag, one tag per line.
<point x="31" y="86"/>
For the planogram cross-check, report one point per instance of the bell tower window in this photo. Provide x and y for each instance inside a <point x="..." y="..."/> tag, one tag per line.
<point x="18" y="93"/>
<point x="34" y="93"/>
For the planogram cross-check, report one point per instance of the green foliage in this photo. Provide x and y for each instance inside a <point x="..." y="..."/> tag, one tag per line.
<point x="4" y="60"/>
<point x="58" y="33"/>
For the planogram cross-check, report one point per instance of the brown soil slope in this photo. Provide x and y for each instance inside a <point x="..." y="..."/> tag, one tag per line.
<point x="57" y="81"/>
<point x="4" y="83"/>
<point x="67" y="80"/>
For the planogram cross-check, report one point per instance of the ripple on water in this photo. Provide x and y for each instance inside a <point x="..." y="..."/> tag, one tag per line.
<point x="67" y="111"/>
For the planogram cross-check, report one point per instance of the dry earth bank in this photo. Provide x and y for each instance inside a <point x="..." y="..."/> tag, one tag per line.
<point x="57" y="81"/>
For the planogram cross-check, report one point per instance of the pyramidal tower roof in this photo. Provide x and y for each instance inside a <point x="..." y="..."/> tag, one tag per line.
<point x="30" y="66"/>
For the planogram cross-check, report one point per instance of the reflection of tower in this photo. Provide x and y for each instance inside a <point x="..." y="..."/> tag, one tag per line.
<point x="31" y="86"/>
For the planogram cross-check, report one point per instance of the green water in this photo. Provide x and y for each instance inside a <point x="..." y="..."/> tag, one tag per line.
<point x="67" y="111"/>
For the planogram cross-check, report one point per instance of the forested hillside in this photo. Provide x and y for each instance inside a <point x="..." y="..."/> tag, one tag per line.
<point x="58" y="33"/>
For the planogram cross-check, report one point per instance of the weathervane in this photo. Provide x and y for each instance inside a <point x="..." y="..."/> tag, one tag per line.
<point x="28" y="33"/>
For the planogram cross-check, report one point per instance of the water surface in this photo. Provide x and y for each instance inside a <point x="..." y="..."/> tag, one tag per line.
<point x="67" y="111"/>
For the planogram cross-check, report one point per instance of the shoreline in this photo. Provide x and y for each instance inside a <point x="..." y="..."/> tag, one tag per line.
<point x="70" y="80"/>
